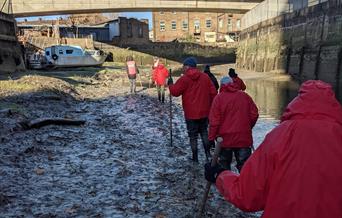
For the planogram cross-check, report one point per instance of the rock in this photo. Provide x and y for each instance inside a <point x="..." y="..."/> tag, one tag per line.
<point x="39" y="171"/>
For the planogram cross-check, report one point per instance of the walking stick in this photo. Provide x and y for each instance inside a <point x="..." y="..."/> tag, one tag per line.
<point x="170" y="111"/>
<point x="213" y="163"/>
<point x="141" y="86"/>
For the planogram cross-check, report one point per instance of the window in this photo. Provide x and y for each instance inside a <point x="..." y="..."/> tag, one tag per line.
<point x="173" y="12"/>
<point x="173" y="25"/>
<point x="230" y="25"/>
<point x="161" y="12"/>
<point x="140" y="31"/>
<point x="220" y="23"/>
<point x="197" y="24"/>
<point x="185" y="25"/>
<point x="162" y="26"/>
<point x="238" y="24"/>
<point x="47" y="53"/>
<point x="60" y="52"/>
<point x="208" y="23"/>
<point x="129" y="30"/>
<point x="69" y="51"/>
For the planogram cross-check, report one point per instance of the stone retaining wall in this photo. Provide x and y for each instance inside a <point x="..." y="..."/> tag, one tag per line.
<point x="11" y="56"/>
<point x="307" y="44"/>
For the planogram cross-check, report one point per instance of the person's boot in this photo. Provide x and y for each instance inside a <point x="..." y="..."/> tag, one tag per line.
<point x="194" y="150"/>
<point x="163" y="98"/>
<point x="194" y="155"/>
<point x="159" y="96"/>
<point x="207" y="155"/>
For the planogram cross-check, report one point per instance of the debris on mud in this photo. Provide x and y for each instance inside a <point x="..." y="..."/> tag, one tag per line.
<point x="119" y="163"/>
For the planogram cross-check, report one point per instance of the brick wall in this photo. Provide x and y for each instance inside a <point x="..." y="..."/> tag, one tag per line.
<point x="132" y="31"/>
<point x="174" y="27"/>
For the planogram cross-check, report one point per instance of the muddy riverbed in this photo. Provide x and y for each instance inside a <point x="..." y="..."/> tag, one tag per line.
<point x="118" y="164"/>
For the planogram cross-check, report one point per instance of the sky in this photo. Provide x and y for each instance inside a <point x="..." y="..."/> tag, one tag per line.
<point x="138" y="15"/>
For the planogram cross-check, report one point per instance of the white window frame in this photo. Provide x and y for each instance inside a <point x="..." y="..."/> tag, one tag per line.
<point x="185" y="25"/>
<point x="220" y="23"/>
<point x="162" y="29"/>
<point x="208" y="21"/>
<point x="238" y="24"/>
<point x="230" y="25"/>
<point x="197" y="21"/>
<point x="173" y="25"/>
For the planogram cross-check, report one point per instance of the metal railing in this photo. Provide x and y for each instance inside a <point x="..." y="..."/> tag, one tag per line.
<point x="272" y="8"/>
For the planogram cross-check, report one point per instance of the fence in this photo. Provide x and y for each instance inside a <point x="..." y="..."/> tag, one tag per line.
<point x="272" y="8"/>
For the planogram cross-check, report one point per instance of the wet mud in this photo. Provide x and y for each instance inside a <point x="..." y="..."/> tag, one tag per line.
<point x="118" y="164"/>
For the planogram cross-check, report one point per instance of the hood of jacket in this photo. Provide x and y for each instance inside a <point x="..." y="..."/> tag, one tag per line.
<point x="160" y="66"/>
<point x="231" y="87"/>
<point x="193" y="73"/>
<point x="316" y="100"/>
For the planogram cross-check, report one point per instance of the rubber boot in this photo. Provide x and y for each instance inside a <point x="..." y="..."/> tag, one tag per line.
<point x="195" y="155"/>
<point x="207" y="154"/>
<point x="194" y="150"/>
<point x="159" y="96"/>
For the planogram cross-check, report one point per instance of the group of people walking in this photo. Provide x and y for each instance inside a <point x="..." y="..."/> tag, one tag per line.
<point x="295" y="172"/>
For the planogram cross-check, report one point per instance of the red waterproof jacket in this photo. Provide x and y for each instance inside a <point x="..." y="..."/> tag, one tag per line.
<point x="240" y="85"/>
<point x="160" y="74"/>
<point x="296" y="171"/>
<point x="232" y="116"/>
<point x="197" y="92"/>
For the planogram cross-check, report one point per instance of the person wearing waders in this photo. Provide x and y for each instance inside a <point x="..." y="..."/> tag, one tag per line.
<point x="211" y="76"/>
<point x="160" y="73"/>
<point x="232" y="116"/>
<point x="132" y="70"/>
<point x="240" y="85"/>
<point x="197" y="93"/>
<point x="296" y="171"/>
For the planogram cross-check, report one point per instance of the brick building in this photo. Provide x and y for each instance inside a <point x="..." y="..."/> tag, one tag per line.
<point x="120" y="31"/>
<point x="195" y="26"/>
<point x="131" y="31"/>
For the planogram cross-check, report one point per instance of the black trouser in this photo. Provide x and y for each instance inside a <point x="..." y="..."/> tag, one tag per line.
<point x="161" y="92"/>
<point x="195" y="127"/>
<point x="241" y="156"/>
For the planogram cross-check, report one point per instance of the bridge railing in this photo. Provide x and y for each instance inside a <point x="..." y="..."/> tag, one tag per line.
<point x="272" y="8"/>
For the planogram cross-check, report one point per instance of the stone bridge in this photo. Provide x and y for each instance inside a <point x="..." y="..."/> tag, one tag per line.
<point x="24" y="8"/>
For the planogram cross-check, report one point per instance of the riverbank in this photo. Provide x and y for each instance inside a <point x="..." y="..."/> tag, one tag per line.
<point x="118" y="164"/>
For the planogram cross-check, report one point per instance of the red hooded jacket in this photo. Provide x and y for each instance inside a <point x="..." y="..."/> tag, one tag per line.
<point x="296" y="171"/>
<point x="160" y="74"/>
<point x="197" y="92"/>
<point x="239" y="84"/>
<point x="232" y="116"/>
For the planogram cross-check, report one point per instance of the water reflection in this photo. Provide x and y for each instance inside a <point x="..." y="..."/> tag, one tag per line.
<point x="271" y="95"/>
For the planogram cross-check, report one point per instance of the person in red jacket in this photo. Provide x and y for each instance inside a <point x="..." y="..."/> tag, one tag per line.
<point x="240" y="85"/>
<point x="296" y="171"/>
<point x="232" y="116"/>
<point x="197" y="93"/>
<point x="159" y="76"/>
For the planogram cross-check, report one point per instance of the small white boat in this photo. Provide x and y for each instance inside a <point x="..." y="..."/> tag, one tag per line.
<point x="68" y="56"/>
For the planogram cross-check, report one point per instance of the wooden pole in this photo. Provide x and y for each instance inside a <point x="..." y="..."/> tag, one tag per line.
<point x="213" y="163"/>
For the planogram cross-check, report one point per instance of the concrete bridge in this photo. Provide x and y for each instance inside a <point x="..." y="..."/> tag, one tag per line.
<point x="25" y="8"/>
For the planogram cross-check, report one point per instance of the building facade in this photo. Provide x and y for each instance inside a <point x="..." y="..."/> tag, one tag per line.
<point x="119" y="31"/>
<point x="195" y="26"/>
<point x="131" y="31"/>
